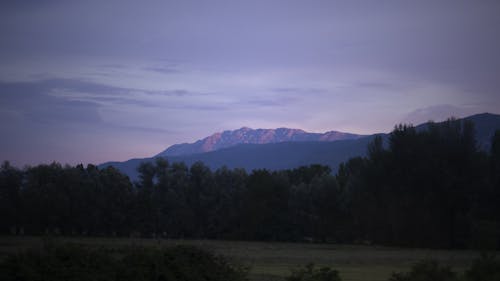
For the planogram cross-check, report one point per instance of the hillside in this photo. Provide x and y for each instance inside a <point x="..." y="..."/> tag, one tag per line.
<point x="272" y="156"/>
<point x="247" y="135"/>
<point x="291" y="154"/>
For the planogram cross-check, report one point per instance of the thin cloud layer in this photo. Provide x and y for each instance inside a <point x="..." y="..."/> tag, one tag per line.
<point x="132" y="77"/>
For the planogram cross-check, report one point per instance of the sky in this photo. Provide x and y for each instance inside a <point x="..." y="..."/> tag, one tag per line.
<point x="93" y="81"/>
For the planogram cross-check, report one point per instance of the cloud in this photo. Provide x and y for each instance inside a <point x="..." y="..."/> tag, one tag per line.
<point x="74" y="101"/>
<point x="53" y="91"/>
<point x="175" y="92"/>
<point x="319" y="66"/>
<point x="437" y="113"/>
<point x="162" y="70"/>
<point x="298" y="90"/>
<point x="72" y="121"/>
<point x="266" y="102"/>
<point x="378" y="85"/>
<point x="113" y="66"/>
<point x="33" y="101"/>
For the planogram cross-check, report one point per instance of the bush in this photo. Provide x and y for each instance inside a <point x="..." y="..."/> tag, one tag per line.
<point x="426" y="270"/>
<point x="59" y="263"/>
<point x="179" y="263"/>
<point x="309" y="273"/>
<point x="486" y="268"/>
<point x="77" y="263"/>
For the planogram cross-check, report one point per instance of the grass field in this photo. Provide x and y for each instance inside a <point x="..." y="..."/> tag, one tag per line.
<point x="273" y="261"/>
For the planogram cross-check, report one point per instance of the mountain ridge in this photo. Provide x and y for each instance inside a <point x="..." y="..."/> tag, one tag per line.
<point x="246" y="135"/>
<point x="291" y="154"/>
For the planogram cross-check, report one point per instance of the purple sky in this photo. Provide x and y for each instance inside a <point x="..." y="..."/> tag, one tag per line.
<point x="92" y="81"/>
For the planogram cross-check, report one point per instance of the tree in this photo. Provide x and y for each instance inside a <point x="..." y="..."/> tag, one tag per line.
<point x="10" y="198"/>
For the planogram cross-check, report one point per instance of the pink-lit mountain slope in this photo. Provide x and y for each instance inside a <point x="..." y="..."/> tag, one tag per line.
<point x="250" y="136"/>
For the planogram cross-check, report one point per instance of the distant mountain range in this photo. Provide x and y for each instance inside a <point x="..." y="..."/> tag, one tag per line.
<point x="284" y="148"/>
<point x="247" y="135"/>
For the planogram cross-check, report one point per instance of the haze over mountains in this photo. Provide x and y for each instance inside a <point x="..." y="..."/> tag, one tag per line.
<point x="284" y="148"/>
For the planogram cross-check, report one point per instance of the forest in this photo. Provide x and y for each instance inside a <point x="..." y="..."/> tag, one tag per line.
<point x="428" y="188"/>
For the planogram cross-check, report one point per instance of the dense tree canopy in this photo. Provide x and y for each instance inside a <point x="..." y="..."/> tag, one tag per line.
<point x="418" y="188"/>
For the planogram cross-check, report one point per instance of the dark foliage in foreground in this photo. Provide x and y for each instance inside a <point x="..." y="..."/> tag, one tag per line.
<point x="486" y="268"/>
<point x="59" y="263"/>
<point x="181" y="263"/>
<point x="429" y="188"/>
<point x="77" y="263"/>
<point x="310" y="273"/>
<point x="426" y="270"/>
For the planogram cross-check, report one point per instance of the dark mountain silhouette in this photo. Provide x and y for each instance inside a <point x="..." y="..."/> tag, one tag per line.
<point x="291" y="154"/>
<point x="247" y="135"/>
<point x="272" y="156"/>
<point x="485" y="125"/>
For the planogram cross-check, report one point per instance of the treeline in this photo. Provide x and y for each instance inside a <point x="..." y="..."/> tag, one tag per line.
<point x="429" y="188"/>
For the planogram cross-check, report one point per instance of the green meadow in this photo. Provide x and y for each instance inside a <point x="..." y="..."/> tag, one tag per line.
<point x="274" y="260"/>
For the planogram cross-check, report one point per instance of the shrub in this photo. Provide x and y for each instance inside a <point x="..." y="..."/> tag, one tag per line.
<point x="179" y="263"/>
<point x="77" y="263"/>
<point x="486" y="268"/>
<point x="309" y="273"/>
<point x="58" y="263"/>
<point x="426" y="270"/>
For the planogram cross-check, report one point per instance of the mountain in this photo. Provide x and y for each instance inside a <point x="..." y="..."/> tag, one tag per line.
<point x="298" y="152"/>
<point x="485" y="125"/>
<point x="247" y="135"/>
<point x="271" y="156"/>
